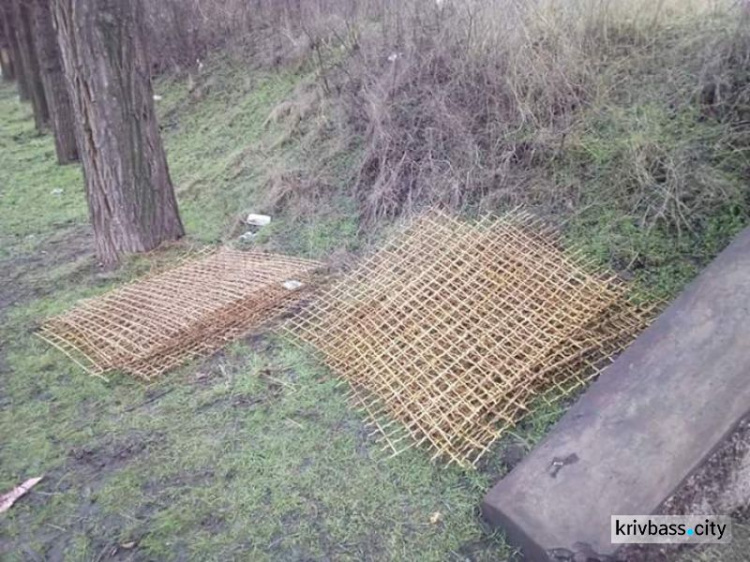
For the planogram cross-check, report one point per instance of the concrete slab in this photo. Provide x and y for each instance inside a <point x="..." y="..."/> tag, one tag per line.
<point x="640" y="430"/>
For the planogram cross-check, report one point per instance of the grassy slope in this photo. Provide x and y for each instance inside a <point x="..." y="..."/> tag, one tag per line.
<point x="661" y="259"/>
<point x="255" y="451"/>
<point x="251" y="455"/>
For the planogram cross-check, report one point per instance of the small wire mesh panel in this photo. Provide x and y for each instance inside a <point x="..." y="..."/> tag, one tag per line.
<point x="151" y="326"/>
<point x="449" y="333"/>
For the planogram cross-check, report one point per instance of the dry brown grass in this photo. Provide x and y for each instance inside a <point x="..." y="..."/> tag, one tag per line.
<point x="475" y="103"/>
<point x="484" y="95"/>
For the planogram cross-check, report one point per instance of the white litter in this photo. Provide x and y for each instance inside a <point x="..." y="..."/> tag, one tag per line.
<point x="292" y="285"/>
<point x="247" y="237"/>
<point x="258" y="220"/>
<point x="157" y="97"/>
<point x="7" y="500"/>
<point x="57" y="191"/>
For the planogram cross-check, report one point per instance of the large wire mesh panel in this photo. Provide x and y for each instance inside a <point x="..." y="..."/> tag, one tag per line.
<point x="450" y="333"/>
<point x="151" y="326"/>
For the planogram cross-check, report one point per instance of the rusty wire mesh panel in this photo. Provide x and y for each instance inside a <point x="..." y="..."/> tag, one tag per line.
<point x="153" y="325"/>
<point x="449" y="334"/>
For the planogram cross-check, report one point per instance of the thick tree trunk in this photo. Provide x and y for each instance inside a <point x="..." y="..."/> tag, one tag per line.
<point x="27" y="52"/>
<point x="9" y="25"/>
<point x="130" y="194"/>
<point x="55" y="87"/>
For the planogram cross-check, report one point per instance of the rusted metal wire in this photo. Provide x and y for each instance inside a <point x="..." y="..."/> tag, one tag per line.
<point x="153" y="325"/>
<point x="452" y="332"/>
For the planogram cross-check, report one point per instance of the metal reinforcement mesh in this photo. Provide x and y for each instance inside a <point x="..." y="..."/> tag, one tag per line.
<point x="452" y="332"/>
<point x="153" y="325"/>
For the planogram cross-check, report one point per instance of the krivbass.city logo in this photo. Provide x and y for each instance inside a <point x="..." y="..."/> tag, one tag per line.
<point x="671" y="529"/>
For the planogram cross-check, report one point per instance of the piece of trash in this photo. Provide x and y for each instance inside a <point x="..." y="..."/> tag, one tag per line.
<point x="393" y="57"/>
<point x="436" y="518"/>
<point x="157" y="97"/>
<point x="295" y="423"/>
<point x="258" y="220"/>
<point x="56" y="191"/>
<point x="128" y="545"/>
<point x="248" y="236"/>
<point x="292" y="285"/>
<point x="7" y="500"/>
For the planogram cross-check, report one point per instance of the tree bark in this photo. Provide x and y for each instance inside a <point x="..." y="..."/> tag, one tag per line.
<point x="6" y="65"/>
<point x="130" y="195"/>
<point x="55" y="87"/>
<point x="6" y="60"/>
<point x="9" y="25"/>
<point x="27" y="54"/>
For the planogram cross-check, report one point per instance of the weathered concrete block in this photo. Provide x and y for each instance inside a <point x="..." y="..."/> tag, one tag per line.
<point x="640" y="430"/>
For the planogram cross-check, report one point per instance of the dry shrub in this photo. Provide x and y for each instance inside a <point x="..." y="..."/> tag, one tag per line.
<point x="296" y="193"/>
<point x="479" y="96"/>
<point x="272" y="31"/>
<point x="671" y="185"/>
<point x="295" y="114"/>
<point x="725" y="75"/>
<point x="477" y="102"/>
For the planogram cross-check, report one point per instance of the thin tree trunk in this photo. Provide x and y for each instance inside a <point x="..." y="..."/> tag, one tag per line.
<point x="6" y="65"/>
<point x="6" y="62"/>
<point x="27" y="54"/>
<point x="9" y="24"/>
<point x="55" y="87"/>
<point x="131" y="199"/>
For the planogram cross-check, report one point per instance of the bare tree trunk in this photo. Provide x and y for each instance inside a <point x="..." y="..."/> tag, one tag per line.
<point x="55" y="87"/>
<point x="6" y="60"/>
<point x="27" y="54"/>
<point x="6" y="65"/>
<point x="9" y="25"/>
<point x="131" y="199"/>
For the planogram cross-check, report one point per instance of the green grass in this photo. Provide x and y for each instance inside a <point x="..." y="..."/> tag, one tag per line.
<point x="37" y="197"/>
<point x="253" y="454"/>
<point x="661" y="190"/>
<point x="215" y="148"/>
<point x="222" y="155"/>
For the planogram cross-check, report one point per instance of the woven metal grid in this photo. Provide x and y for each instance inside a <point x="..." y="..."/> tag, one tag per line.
<point x="450" y="333"/>
<point x="153" y="325"/>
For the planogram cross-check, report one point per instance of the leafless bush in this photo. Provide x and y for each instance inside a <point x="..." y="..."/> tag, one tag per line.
<point x="273" y="31"/>
<point x="296" y="192"/>
<point x="462" y="102"/>
<point x="472" y="97"/>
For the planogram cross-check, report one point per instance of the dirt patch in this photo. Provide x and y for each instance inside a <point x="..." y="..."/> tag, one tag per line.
<point x="720" y="487"/>
<point x="239" y="401"/>
<point x="21" y="276"/>
<point x="87" y="469"/>
<point x="112" y="454"/>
